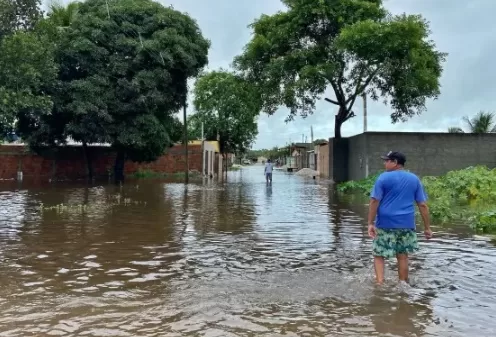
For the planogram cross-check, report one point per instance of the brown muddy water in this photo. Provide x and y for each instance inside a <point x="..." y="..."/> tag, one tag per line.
<point x="234" y="259"/>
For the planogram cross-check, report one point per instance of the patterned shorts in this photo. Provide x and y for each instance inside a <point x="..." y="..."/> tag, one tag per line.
<point x="390" y="242"/>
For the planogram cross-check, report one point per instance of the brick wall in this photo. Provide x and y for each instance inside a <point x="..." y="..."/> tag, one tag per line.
<point x="427" y="153"/>
<point x="69" y="162"/>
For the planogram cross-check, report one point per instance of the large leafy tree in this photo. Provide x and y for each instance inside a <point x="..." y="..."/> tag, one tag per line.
<point x="28" y="69"/>
<point x="27" y="64"/>
<point x="228" y="107"/>
<point x="123" y="73"/>
<point x="350" y="46"/>
<point x="483" y="122"/>
<point x="19" y="15"/>
<point x="44" y="132"/>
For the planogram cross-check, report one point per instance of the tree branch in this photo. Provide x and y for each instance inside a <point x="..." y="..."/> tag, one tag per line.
<point x="353" y="97"/>
<point x="339" y="95"/>
<point x="341" y="77"/>
<point x="331" y="101"/>
<point x="359" y="90"/>
<point x="351" y="114"/>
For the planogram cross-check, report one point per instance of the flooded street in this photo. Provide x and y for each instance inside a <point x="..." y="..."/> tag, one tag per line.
<point x="234" y="259"/>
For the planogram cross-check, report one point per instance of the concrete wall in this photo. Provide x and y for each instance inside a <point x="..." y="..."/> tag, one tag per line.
<point x="426" y="153"/>
<point x="68" y="162"/>
<point x="208" y="159"/>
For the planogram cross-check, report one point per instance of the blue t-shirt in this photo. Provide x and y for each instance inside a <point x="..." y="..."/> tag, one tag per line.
<point x="396" y="192"/>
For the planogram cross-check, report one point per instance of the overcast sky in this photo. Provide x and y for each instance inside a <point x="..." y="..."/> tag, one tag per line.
<point x="464" y="29"/>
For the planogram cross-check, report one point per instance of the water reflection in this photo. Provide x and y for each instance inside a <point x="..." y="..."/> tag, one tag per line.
<point x="399" y="315"/>
<point x="235" y="258"/>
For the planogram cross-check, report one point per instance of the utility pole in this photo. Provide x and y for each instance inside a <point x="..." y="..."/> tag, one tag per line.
<point x="364" y="96"/>
<point x="203" y="150"/>
<point x="186" y="178"/>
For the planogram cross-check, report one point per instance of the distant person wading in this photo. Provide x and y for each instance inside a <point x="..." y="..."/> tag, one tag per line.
<point x="392" y="209"/>
<point x="268" y="171"/>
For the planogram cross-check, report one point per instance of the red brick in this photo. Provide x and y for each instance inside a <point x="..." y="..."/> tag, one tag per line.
<point x="69" y="162"/>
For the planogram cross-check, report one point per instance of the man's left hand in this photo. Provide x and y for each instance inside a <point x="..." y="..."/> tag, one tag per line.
<point x="372" y="231"/>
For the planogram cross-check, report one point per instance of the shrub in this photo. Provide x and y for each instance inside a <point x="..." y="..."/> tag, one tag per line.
<point x="467" y="195"/>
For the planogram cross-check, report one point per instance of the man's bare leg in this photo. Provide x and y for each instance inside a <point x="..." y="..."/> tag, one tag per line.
<point x="402" y="266"/>
<point x="379" y="269"/>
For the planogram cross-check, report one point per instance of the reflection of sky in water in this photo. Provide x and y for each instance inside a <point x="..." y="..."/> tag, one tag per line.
<point x="291" y="210"/>
<point x="13" y="213"/>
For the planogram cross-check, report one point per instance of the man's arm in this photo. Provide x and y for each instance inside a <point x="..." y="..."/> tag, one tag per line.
<point x="424" y="212"/>
<point x="373" y="205"/>
<point x="421" y="200"/>
<point x="375" y="198"/>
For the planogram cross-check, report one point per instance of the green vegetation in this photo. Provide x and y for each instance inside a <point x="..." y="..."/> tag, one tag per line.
<point x="112" y="200"/>
<point x="274" y="153"/>
<point x="228" y="107"/>
<point x="150" y="174"/>
<point x="467" y="195"/>
<point x="350" y="47"/>
<point x="483" y="122"/>
<point x="97" y="72"/>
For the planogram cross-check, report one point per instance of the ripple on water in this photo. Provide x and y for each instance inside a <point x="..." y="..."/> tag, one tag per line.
<point x="233" y="259"/>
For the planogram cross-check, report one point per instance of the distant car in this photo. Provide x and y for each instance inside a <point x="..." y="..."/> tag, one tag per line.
<point x="246" y="162"/>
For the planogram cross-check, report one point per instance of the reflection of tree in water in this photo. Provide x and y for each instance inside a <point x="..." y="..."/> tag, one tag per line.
<point x="201" y="205"/>
<point x="235" y="209"/>
<point x="114" y="235"/>
<point x="335" y="210"/>
<point x="220" y="207"/>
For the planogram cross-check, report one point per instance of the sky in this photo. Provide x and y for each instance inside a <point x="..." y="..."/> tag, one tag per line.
<point x="463" y="29"/>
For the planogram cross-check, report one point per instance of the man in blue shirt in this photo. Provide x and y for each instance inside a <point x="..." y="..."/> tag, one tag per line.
<point x="392" y="208"/>
<point x="268" y="171"/>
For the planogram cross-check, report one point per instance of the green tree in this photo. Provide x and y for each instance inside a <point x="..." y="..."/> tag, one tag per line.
<point x="320" y="141"/>
<point x="123" y="76"/>
<point x="175" y="130"/>
<point x="353" y="47"/>
<point x="19" y="15"/>
<point x="27" y="68"/>
<point x="63" y="16"/>
<point x="483" y="122"/>
<point x="455" y="130"/>
<point x="45" y="132"/>
<point x="26" y="62"/>
<point x="228" y="106"/>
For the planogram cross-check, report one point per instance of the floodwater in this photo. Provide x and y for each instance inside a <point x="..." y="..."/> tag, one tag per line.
<point x="233" y="259"/>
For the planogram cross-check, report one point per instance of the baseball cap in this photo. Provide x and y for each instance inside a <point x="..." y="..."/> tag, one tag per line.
<point x="393" y="155"/>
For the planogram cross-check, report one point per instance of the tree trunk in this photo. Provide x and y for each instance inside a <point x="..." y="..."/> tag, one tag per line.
<point x="342" y="116"/>
<point x="120" y="160"/>
<point x="337" y="127"/>
<point x="88" y="160"/>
